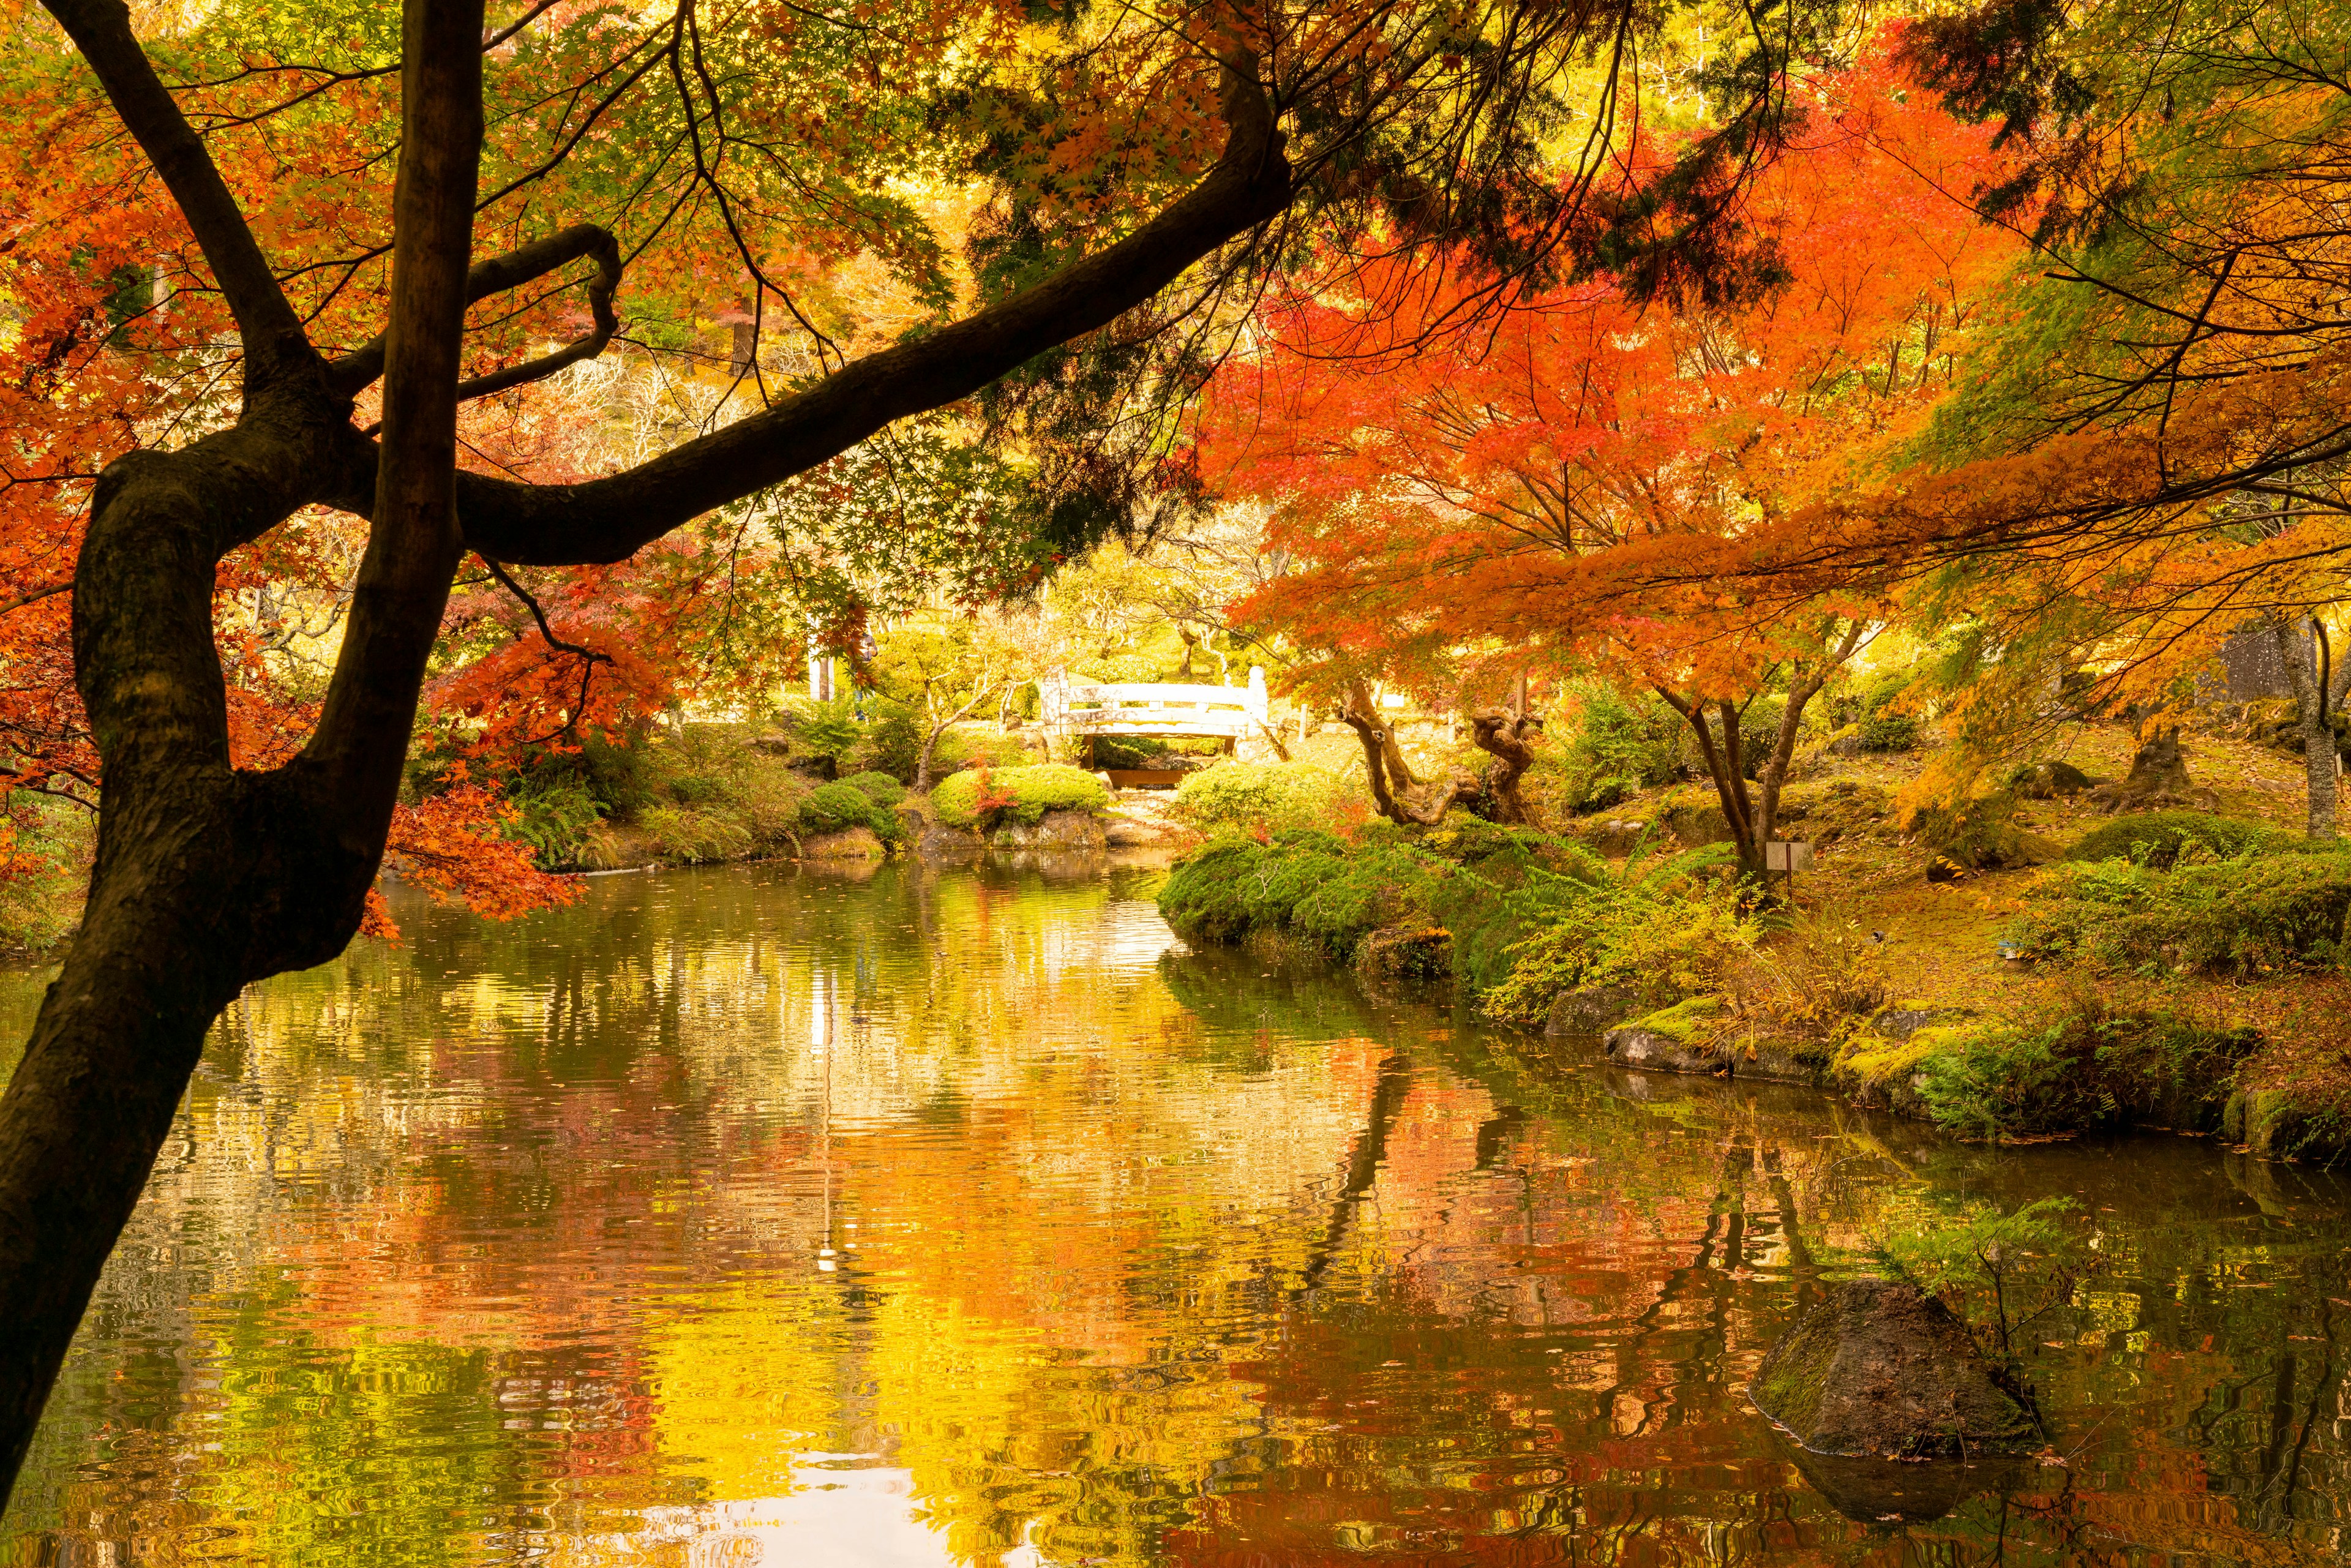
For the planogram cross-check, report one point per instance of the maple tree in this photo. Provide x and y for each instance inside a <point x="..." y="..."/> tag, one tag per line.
<point x="386" y="241"/>
<point x="1568" y="489"/>
<point x="2149" y="454"/>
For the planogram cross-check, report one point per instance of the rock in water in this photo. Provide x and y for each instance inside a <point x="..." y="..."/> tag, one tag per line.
<point x="1591" y="1010"/>
<point x="848" y="844"/>
<point x="1077" y="831"/>
<point x="1884" y="1369"/>
<point x="1410" y="952"/>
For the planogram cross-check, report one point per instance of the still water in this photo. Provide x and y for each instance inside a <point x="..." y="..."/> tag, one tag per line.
<point x="751" y="1216"/>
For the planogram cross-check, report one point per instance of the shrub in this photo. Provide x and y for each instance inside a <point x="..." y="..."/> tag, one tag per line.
<point x="732" y="804"/>
<point x="834" y="808"/>
<point x="1253" y="795"/>
<point x="2244" y="916"/>
<point x="893" y="743"/>
<point x="2158" y="839"/>
<point x="1884" y="727"/>
<point x="615" y="775"/>
<point x="1657" y="926"/>
<point x="1619" y="745"/>
<point x="555" y="819"/>
<point x="769" y="797"/>
<point x="1604" y="793"/>
<point x="881" y="789"/>
<point x="2083" y="1066"/>
<point x="827" y="731"/>
<point x="692" y="836"/>
<point x="980" y="797"/>
<point x="977" y="745"/>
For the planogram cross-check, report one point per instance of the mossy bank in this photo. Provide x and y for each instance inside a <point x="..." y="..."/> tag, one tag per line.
<point x="1668" y="965"/>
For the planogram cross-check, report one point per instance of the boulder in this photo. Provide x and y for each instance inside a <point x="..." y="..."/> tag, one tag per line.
<point x="1882" y="1369"/>
<point x="848" y="844"/>
<point x="1121" y="831"/>
<point x="1897" y="1024"/>
<point x="1590" y="1010"/>
<point x="1779" y="1060"/>
<point x="1068" y="832"/>
<point x="1680" y="1038"/>
<point x="2274" y="1124"/>
<point x="1411" y="952"/>
<point x="950" y="846"/>
<point x="2048" y="781"/>
<point x="1692" y="1037"/>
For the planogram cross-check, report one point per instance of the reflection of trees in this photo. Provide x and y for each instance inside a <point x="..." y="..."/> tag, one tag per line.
<point x="1135" y="1256"/>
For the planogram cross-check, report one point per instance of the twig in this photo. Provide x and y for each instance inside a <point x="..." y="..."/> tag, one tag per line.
<point x="37" y="596"/>
<point x="590" y="657"/>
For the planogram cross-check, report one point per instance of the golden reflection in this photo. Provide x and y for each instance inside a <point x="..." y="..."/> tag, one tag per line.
<point x="740" y="1217"/>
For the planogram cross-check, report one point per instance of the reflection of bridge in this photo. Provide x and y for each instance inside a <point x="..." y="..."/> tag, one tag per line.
<point x="1152" y="708"/>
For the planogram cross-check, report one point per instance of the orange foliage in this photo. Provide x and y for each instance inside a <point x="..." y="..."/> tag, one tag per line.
<point x="1574" y="487"/>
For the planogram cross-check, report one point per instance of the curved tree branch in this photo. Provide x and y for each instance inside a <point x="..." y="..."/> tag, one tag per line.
<point x="355" y="370"/>
<point x="608" y="519"/>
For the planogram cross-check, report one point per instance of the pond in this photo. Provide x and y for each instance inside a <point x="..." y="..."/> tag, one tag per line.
<point x="753" y="1217"/>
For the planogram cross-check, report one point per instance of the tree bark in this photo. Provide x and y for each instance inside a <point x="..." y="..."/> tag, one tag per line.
<point x="1389" y="775"/>
<point x="2297" y="647"/>
<point x="1507" y="737"/>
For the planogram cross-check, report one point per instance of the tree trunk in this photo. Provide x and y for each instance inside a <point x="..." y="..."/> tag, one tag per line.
<point x="207" y="878"/>
<point x="1753" y="816"/>
<point x="2297" y="647"/>
<point x="1390" y="776"/>
<point x="1508" y="737"/>
<point x="1720" y="751"/>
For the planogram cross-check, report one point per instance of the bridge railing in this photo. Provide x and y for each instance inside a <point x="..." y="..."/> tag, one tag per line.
<point x="1098" y="707"/>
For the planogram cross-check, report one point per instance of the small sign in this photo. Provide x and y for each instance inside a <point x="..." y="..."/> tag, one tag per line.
<point x="1789" y="855"/>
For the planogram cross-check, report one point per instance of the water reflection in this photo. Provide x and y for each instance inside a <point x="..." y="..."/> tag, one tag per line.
<point x="744" y="1216"/>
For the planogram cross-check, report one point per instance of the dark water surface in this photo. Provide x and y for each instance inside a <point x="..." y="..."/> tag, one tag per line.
<point x="746" y="1216"/>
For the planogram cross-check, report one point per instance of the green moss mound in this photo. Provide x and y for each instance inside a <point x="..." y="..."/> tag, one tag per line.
<point x="881" y="789"/>
<point x="2250" y="916"/>
<point x="2159" y="839"/>
<point x="837" y="807"/>
<point x="1525" y="914"/>
<point x="981" y="797"/>
<point x="1249" y="795"/>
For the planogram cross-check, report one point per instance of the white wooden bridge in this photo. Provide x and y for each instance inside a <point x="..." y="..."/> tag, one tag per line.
<point x="1153" y="709"/>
